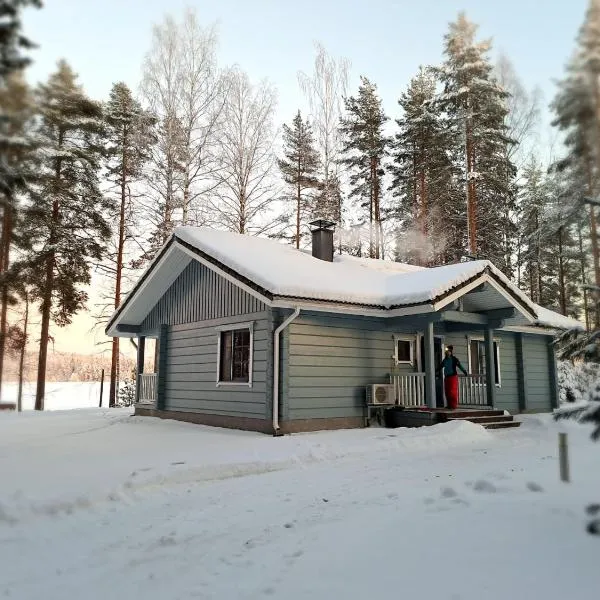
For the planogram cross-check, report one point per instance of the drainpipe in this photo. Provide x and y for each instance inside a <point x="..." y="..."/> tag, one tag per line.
<point x="276" y="369"/>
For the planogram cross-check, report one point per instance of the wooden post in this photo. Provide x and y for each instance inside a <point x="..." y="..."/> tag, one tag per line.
<point x="140" y="365"/>
<point x="101" y="388"/>
<point x="563" y="457"/>
<point x="490" y="378"/>
<point x="430" y="394"/>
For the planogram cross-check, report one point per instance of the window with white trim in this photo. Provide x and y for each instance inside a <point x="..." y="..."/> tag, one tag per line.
<point x="477" y="358"/>
<point x="404" y="349"/>
<point x="235" y="344"/>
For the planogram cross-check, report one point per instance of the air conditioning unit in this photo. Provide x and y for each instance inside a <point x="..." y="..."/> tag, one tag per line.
<point x="381" y="393"/>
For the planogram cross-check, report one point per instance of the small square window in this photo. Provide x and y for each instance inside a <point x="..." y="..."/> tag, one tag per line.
<point x="234" y="361"/>
<point x="403" y="351"/>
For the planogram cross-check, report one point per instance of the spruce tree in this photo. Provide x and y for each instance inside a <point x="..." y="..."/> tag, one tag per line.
<point x="365" y="147"/>
<point x="422" y="173"/>
<point x="299" y="167"/>
<point x="475" y="106"/>
<point x="129" y="137"/>
<point x="65" y="218"/>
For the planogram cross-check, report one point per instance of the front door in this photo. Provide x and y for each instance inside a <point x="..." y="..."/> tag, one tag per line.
<point x="438" y="354"/>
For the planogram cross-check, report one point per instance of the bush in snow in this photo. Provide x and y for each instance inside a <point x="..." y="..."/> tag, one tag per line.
<point x="576" y="380"/>
<point x="126" y="395"/>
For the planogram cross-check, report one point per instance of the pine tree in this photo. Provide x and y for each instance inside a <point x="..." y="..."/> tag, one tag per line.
<point x="65" y="218"/>
<point x="577" y="109"/>
<point x="422" y="172"/>
<point x="15" y="145"/>
<point x="476" y="110"/>
<point x="17" y="105"/>
<point x="299" y="168"/>
<point x="365" y="147"/>
<point x="129" y="137"/>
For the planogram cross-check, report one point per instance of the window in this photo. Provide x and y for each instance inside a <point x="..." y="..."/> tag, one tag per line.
<point x="235" y="356"/>
<point x="404" y="349"/>
<point x="477" y="359"/>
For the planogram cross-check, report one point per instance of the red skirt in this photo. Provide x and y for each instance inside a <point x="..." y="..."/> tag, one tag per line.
<point x="451" y="390"/>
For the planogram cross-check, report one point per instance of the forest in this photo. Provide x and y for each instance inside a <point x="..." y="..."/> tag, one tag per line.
<point x="93" y="187"/>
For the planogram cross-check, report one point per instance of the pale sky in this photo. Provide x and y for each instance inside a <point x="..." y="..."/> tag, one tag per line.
<point x="386" y="40"/>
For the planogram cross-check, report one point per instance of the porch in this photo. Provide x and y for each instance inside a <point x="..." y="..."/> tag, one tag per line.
<point x="409" y="390"/>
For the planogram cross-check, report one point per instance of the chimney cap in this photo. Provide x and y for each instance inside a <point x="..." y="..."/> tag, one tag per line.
<point x="322" y="224"/>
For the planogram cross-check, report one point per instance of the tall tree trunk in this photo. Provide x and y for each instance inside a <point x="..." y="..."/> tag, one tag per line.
<point x="561" y="274"/>
<point x="7" y="227"/>
<point x="22" y="354"/>
<point x="298" y="201"/>
<point x="377" y="212"/>
<point x="423" y="214"/>
<point x="594" y="239"/>
<point x="114" y="363"/>
<point x="470" y="185"/>
<point x="40" y="391"/>
<point x="186" y="200"/>
<point x="583" y="278"/>
<point x="46" y="305"/>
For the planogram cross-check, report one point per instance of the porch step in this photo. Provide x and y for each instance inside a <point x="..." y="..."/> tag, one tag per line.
<point x="490" y="419"/>
<point x="502" y="424"/>
<point x="447" y="415"/>
<point x="481" y="420"/>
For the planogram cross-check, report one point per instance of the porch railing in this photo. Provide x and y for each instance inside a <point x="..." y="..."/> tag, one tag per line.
<point x="472" y="390"/>
<point x="410" y="389"/>
<point x="147" y="388"/>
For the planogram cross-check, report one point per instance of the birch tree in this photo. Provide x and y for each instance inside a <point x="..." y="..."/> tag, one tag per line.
<point x="246" y="188"/>
<point x="184" y="87"/>
<point x="325" y="90"/>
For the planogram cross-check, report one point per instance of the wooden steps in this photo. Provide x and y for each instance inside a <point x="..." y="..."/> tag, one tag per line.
<point x="490" y="419"/>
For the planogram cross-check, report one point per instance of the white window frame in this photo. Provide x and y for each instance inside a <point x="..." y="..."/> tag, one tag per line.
<point x="234" y="327"/>
<point x="480" y="338"/>
<point x="413" y="343"/>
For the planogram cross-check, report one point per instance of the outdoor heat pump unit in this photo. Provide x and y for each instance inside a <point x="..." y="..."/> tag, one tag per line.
<point x="381" y="393"/>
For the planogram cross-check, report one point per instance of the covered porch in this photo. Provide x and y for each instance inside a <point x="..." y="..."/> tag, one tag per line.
<point x="416" y="376"/>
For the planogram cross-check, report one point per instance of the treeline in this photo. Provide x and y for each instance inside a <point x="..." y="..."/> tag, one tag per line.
<point x="67" y="366"/>
<point x="99" y="184"/>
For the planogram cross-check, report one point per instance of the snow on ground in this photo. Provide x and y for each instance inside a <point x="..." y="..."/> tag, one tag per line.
<point x="97" y="504"/>
<point x="59" y="396"/>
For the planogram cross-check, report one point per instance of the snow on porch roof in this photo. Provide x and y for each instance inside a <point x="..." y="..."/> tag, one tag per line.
<point x="286" y="272"/>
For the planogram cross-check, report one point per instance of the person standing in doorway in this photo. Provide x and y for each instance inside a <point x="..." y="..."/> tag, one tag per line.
<point x="450" y="364"/>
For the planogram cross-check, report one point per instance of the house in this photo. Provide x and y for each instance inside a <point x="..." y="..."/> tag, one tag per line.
<point x="254" y="334"/>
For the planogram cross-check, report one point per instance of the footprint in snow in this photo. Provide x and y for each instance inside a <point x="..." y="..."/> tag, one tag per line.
<point x="485" y="487"/>
<point x="532" y="486"/>
<point x="448" y="492"/>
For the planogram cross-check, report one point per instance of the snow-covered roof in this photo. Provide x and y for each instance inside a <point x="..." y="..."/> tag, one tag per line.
<point x="554" y="320"/>
<point x="283" y="273"/>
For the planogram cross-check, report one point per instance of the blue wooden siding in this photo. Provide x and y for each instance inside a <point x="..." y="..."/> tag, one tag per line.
<point x="200" y="294"/>
<point x="185" y="319"/>
<point x="191" y="370"/>
<point x="331" y="358"/>
<point x="536" y="366"/>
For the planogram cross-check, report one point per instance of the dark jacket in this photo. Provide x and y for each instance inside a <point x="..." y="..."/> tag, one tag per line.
<point x="450" y="364"/>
